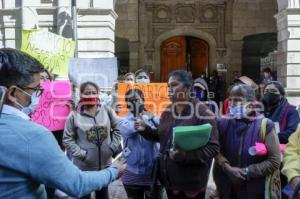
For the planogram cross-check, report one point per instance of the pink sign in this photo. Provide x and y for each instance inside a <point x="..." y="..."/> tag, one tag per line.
<point x="54" y="105"/>
<point x="260" y="149"/>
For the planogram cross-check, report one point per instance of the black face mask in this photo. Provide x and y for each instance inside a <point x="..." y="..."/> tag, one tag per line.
<point x="271" y="99"/>
<point x="136" y="108"/>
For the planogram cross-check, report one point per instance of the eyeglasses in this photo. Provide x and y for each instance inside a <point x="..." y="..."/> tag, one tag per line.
<point x="38" y="90"/>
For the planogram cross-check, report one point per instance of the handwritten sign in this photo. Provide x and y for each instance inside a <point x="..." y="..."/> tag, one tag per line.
<point x="54" y="105"/>
<point x="52" y="50"/>
<point x="156" y="96"/>
<point x="102" y="71"/>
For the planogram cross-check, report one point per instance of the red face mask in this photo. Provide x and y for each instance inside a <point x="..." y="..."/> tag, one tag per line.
<point x="89" y="102"/>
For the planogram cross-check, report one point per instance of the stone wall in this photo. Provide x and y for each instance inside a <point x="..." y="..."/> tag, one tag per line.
<point x="288" y="23"/>
<point x="127" y="28"/>
<point x="249" y="18"/>
<point x="223" y="24"/>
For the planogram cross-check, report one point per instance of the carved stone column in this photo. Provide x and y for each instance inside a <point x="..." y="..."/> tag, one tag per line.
<point x="288" y="57"/>
<point x="64" y="18"/>
<point x="133" y="55"/>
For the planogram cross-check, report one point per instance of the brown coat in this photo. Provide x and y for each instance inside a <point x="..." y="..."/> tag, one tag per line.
<point x="190" y="173"/>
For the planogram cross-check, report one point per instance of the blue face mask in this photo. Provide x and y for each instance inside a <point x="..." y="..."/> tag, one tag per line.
<point x="238" y="112"/>
<point x="201" y="95"/>
<point x="33" y="104"/>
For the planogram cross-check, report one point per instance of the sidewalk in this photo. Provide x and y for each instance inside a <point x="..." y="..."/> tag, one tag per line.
<point x="116" y="190"/>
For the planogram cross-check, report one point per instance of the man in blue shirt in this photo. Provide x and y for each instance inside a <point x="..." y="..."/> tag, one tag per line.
<point x="29" y="154"/>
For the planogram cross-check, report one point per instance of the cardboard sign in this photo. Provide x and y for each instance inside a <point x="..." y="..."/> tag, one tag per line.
<point x="156" y="96"/>
<point x="52" y="50"/>
<point x="54" y="105"/>
<point x="102" y="71"/>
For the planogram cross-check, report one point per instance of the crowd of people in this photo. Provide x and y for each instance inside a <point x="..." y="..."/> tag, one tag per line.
<point x="32" y="159"/>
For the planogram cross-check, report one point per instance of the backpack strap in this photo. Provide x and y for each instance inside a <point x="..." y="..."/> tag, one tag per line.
<point x="263" y="129"/>
<point x="283" y="122"/>
<point x="272" y="181"/>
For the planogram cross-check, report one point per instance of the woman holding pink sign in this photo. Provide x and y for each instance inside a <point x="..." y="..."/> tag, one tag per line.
<point x="237" y="174"/>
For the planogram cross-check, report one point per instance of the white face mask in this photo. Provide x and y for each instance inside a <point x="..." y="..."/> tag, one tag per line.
<point x="34" y="101"/>
<point x="32" y="106"/>
<point x="238" y="112"/>
<point x="144" y="81"/>
<point x="142" y="78"/>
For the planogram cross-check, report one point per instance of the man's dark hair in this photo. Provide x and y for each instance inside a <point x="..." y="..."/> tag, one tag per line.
<point x="17" y="68"/>
<point x="267" y="70"/>
<point x="183" y="76"/>
<point x="132" y="92"/>
<point x="141" y="71"/>
<point x="128" y="74"/>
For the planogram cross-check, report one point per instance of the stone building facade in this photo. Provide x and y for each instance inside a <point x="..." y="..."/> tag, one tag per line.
<point x="231" y="33"/>
<point x="95" y="21"/>
<point x="222" y="24"/>
<point x="225" y="25"/>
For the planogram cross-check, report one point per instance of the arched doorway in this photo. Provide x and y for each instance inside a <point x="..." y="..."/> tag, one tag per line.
<point x="183" y="52"/>
<point x="254" y="48"/>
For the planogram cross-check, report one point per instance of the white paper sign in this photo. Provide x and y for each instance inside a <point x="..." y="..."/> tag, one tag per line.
<point x="277" y="127"/>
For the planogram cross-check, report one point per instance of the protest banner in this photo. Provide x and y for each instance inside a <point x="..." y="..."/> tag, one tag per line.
<point x="102" y="71"/>
<point x="52" y="50"/>
<point x="156" y="96"/>
<point x="54" y="105"/>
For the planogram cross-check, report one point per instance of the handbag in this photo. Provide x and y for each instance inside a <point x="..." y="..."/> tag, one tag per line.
<point x="272" y="181"/>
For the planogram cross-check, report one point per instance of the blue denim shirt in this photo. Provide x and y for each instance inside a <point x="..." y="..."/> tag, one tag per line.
<point x="143" y="152"/>
<point x="31" y="158"/>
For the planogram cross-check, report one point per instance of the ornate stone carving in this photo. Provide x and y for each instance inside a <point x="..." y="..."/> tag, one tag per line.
<point x="208" y="13"/>
<point x="162" y="14"/>
<point x="185" y="13"/>
<point x="221" y="52"/>
<point x="149" y="53"/>
<point x="159" y="30"/>
<point x="205" y="15"/>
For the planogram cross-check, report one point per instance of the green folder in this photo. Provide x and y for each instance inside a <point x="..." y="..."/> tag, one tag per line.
<point x="188" y="138"/>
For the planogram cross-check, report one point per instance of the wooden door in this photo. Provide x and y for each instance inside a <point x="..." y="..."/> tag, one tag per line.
<point x="172" y="55"/>
<point x="198" y="51"/>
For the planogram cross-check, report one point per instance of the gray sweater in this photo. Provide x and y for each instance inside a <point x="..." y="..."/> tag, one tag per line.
<point x="85" y="134"/>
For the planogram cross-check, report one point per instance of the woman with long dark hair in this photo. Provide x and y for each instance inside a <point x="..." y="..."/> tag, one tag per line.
<point x="91" y="135"/>
<point x="183" y="173"/>
<point x="139" y="152"/>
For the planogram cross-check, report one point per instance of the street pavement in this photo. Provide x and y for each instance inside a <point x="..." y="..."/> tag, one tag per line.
<point x="116" y="190"/>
